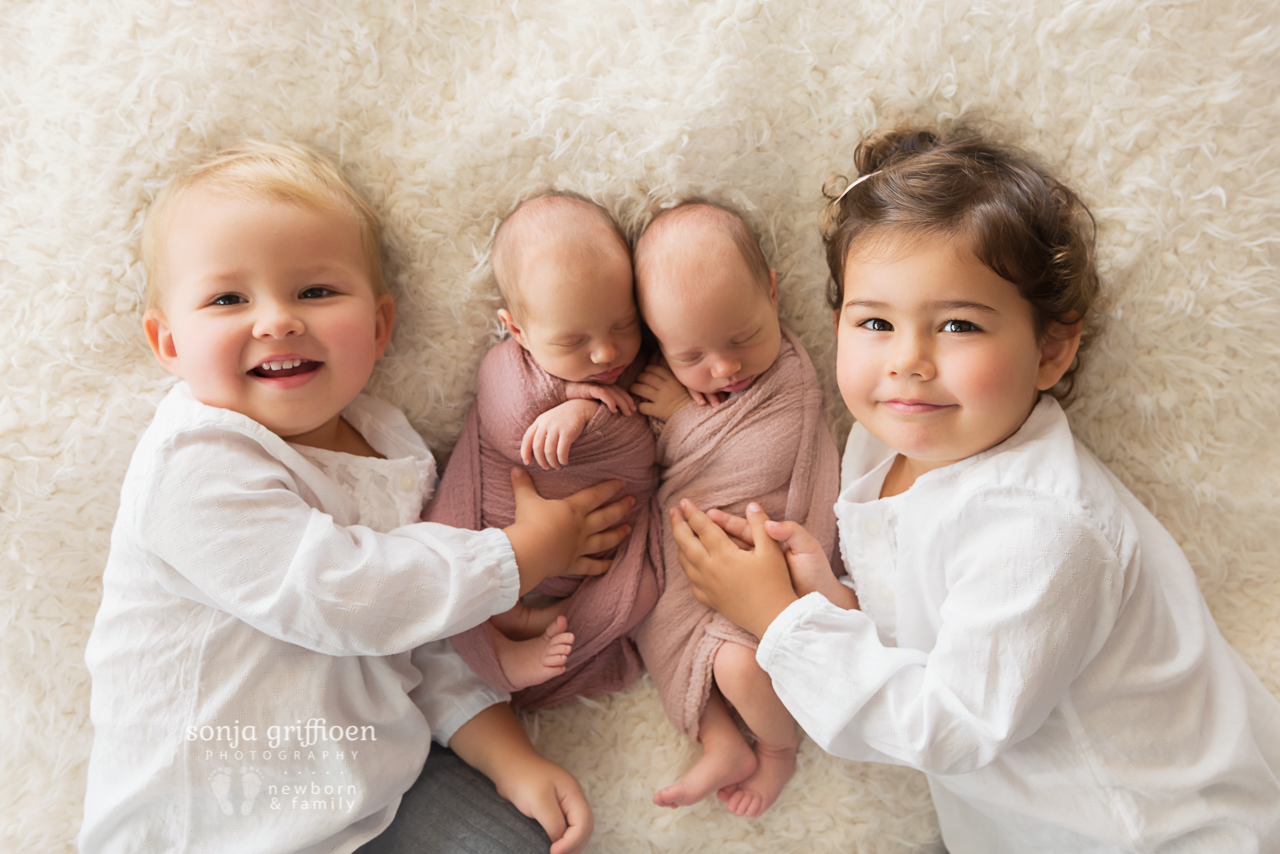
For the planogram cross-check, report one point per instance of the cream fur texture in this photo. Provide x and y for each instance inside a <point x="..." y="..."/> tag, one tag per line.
<point x="1164" y="113"/>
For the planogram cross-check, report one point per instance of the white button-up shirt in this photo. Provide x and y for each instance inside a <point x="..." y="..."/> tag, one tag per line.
<point x="1035" y="642"/>
<point x="268" y="664"/>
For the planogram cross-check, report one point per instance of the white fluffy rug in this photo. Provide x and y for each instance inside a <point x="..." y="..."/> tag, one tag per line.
<point x="1164" y="112"/>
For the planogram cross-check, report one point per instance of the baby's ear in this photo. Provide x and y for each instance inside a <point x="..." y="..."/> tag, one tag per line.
<point x="160" y="337"/>
<point x="510" y="322"/>
<point x="773" y="286"/>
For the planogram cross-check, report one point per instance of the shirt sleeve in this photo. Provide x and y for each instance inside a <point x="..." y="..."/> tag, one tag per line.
<point x="225" y="524"/>
<point x="450" y="693"/>
<point x="1030" y="595"/>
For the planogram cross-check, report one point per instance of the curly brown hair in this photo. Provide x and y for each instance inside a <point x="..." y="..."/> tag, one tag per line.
<point x="1019" y="220"/>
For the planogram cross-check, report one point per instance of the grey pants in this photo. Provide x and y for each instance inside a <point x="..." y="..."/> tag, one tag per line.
<point x="454" y="809"/>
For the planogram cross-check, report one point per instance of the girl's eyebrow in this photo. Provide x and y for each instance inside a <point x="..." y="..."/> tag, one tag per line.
<point x="953" y="305"/>
<point x="946" y="305"/>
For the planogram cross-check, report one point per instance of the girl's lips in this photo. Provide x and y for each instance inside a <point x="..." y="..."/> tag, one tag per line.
<point x="609" y="375"/>
<point x="915" y="407"/>
<point x="740" y="385"/>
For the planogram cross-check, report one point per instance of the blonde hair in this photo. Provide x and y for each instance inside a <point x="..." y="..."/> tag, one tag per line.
<point x="277" y="171"/>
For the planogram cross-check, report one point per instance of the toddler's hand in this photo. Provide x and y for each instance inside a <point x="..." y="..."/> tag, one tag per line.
<point x="610" y="395"/>
<point x="810" y="570"/>
<point x="553" y="433"/>
<point x="555" y="537"/>
<point x="544" y="791"/>
<point x="495" y="744"/>
<point x="662" y="393"/>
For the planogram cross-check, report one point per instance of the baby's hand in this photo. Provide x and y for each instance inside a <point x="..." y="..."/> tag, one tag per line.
<point x="552" y="433"/>
<point x="810" y="570"/>
<point x="663" y="394"/>
<point x="610" y="395"/>
<point x="715" y="398"/>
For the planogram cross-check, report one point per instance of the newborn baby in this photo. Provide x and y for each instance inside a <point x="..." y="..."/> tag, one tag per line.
<point x="552" y="393"/>
<point x="756" y="432"/>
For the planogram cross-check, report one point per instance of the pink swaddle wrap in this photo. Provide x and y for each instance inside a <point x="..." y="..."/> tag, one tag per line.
<point x="475" y="492"/>
<point x="768" y="444"/>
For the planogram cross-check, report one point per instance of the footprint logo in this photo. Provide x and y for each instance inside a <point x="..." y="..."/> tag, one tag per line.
<point x="220" y="782"/>
<point x="250" y="785"/>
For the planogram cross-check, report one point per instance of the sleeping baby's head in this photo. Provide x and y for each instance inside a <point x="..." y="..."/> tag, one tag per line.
<point x="709" y="296"/>
<point x="564" y="271"/>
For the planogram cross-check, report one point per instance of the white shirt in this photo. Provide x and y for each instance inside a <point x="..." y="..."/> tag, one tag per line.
<point x="253" y="583"/>
<point x="1056" y="671"/>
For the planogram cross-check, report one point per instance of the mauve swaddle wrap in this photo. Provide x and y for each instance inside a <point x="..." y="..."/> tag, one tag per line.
<point x="475" y="492"/>
<point x="768" y="444"/>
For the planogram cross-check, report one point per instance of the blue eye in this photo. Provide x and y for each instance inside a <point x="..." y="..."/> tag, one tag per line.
<point x="315" y="292"/>
<point x="960" y="326"/>
<point x="876" y="324"/>
<point x="226" y="299"/>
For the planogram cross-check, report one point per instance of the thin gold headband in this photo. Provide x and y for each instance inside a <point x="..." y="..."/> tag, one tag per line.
<point x="853" y="184"/>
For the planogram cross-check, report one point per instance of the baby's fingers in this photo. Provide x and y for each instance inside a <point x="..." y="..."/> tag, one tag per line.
<point x="544" y="449"/>
<point x="605" y="396"/>
<point x="625" y="402"/>
<point x="526" y="443"/>
<point x="562" y="449"/>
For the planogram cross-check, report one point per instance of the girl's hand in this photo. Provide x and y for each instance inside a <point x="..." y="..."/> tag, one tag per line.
<point x="749" y="586"/>
<point x="553" y="433"/>
<point x="810" y="570"/>
<point x="662" y="393"/>
<point x="555" y="537"/>
<point x="610" y="395"/>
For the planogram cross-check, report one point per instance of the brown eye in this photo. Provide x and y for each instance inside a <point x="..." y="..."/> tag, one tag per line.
<point x="876" y="324"/>
<point x="960" y="326"/>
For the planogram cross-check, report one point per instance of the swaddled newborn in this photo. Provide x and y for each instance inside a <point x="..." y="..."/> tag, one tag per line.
<point x="553" y="393"/>
<point x="708" y="295"/>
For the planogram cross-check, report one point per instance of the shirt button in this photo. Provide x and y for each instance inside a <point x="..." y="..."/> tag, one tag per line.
<point x="406" y="482"/>
<point x="886" y="593"/>
<point x="873" y="526"/>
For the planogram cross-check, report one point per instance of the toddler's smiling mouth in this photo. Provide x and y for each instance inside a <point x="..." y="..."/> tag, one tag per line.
<point x="280" y="368"/>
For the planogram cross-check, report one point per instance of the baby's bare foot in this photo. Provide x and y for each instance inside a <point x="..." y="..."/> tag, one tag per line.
<point x="531" y="662"/>
<point x="755" y="794"/>
<point x="723" y="763"/>
<point x="525" y="623"/>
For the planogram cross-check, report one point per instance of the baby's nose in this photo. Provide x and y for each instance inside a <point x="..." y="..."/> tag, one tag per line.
<point x="725" y="368"/>
<point x="605" y="352"/>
